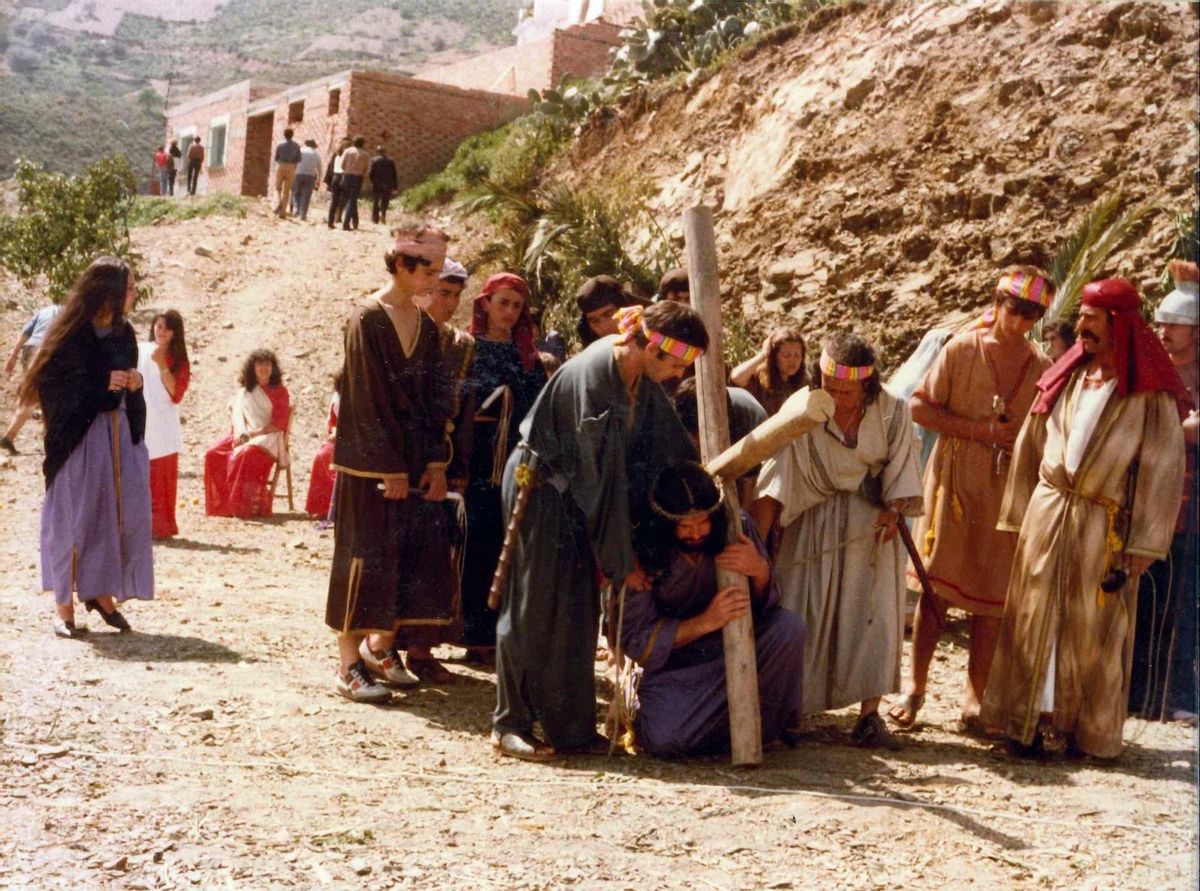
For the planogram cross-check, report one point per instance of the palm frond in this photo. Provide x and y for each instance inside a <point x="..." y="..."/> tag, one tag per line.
<point x="1082" y="257"/>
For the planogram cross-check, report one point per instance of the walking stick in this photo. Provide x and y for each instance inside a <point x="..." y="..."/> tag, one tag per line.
<point x="525" y="482"/>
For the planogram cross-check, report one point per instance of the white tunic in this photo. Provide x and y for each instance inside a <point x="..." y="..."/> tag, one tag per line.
<point x="163" y="434"/>
<point x="848" y="587"/>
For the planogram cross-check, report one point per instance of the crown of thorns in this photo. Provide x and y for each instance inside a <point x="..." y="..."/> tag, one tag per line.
<point x="694" y="508"/>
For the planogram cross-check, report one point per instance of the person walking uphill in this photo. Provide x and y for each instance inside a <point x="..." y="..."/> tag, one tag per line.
<point x="383" y="177"/>
<point x="195" y="160"/>
<point x="355" y="163"/>
<point x="96" y="516"/>
<point x="287" y="156"/>
<point x="597" y="436"/>
<point x="1097" y="472"/>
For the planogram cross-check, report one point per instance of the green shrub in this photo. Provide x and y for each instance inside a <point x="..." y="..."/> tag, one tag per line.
<point x="511" y="158"/>
<point x="65" y="222"/>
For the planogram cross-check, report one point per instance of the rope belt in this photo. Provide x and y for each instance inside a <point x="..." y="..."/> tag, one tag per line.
<point x="1113" y="543"/>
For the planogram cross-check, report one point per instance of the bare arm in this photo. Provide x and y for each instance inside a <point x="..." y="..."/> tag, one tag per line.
<point x="12" y="357"/>
<point x="727" y="605"/>
<point x="764" y="513"/>
<point x="740" y="376"/>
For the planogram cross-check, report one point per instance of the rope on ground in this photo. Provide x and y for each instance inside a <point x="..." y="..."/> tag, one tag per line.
<point x="437" y="775"/>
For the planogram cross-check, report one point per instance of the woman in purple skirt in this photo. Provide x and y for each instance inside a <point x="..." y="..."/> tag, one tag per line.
<point x="96" y="516"/>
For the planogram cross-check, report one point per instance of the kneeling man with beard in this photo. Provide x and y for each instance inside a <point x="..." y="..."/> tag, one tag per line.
<point x="673" y="631"/>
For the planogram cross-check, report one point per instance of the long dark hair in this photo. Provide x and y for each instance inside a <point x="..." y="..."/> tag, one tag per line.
<point x="768" y="375"/>
<point x="102" y="286"/>
<point x="177" y="348"/>
<point x="247" y="379"/>
<point x="679" y="490"/>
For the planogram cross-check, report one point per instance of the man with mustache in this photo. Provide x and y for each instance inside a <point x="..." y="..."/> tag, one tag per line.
<point x="1096" y="476"/>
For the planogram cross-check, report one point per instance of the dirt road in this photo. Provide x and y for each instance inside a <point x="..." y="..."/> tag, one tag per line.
<point x="207" y="749"/>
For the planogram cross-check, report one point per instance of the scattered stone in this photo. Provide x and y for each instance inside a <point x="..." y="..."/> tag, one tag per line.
<point x="202" y="714"/>
<point x="118" y="865"/>
<point x="360" y="867"/>
<point x="202" y="251"/>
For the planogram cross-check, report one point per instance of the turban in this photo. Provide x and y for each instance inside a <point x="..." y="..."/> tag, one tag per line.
<point x="522" y="332"/>
<point x="454" y="269"/>
<point x="1139" y="358"/>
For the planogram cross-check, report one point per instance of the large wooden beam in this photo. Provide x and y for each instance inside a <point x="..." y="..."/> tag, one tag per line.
<point x="741" y="670"/>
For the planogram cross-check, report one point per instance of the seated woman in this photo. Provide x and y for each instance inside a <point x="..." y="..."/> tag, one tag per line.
<point x="237" y="468"/>
<point x="321" y="477"/>
<point x="776" y="371"/>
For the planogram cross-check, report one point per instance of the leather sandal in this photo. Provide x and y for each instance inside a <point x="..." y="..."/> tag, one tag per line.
<point x="430" y="670"/>
<point x="524" y="746"/>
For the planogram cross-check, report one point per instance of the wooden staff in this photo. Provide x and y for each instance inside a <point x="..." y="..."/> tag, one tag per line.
<point x="741" y="669"/>
<point x="525" y="474"/>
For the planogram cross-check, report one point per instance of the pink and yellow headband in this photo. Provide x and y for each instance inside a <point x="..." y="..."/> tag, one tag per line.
<point x="832" y="369"/>
<point x="1024" y="286"/>
<point x="629" y="321"/>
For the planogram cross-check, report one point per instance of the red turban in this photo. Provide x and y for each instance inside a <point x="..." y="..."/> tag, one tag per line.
<point x="522" y="333"/>
<point x="1141" y="363"/>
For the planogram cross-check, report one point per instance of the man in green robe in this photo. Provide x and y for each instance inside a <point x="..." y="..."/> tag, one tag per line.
<point x="598" y="434"/>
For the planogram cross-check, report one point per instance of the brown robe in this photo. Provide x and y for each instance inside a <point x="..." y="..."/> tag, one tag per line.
<point x="391" y="558"/>
<point x="1053" y="594"/>
<point x="968" y="559"/>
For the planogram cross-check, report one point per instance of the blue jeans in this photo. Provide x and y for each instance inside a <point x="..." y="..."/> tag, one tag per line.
<point x="164" y="182"/>
<point x="302" y="189"/>
<point x="351" y="187"/>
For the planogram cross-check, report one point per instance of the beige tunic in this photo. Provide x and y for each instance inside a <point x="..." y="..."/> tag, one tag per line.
<point x="848" y="588"/>
<point x="967" y="557"/>
<point x="1054" y="603"/>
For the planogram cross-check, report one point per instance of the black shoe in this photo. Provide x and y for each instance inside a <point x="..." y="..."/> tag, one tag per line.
<point x="7" y="445"/>
<point x="871" y="733"/>
<point x="113" y="619"/>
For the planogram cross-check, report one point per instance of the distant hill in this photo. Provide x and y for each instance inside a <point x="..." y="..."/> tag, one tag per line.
<point x="83" y="78"/>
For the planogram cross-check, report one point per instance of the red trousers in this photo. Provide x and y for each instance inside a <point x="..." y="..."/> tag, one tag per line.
<point x="164" y="479"/>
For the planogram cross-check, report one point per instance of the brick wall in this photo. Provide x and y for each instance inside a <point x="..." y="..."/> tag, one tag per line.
<point x="581" y="51"/>
<point x="312" y="101"/>
<point x="199" y="114"/>
<point x="420" y="123"/>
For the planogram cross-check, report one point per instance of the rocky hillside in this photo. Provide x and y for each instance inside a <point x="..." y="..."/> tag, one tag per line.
<point x="879" y="164"/>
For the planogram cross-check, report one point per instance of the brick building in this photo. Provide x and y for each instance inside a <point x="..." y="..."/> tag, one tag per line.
<point x="419" y="120"/>
<point x="580" y="51"/>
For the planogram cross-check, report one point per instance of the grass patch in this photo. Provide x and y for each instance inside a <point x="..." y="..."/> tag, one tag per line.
<point x="148" y="211"/>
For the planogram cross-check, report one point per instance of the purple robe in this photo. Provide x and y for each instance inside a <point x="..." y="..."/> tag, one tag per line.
<point x="683" y="709"/>
<point x="96" y="517"/>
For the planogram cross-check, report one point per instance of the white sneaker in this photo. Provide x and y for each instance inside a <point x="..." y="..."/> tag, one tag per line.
<point x="388" y="665"/>
<point x="357" y="686"/>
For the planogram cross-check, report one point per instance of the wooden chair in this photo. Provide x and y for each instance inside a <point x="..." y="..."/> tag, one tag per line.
<point x="287" y="445"/>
